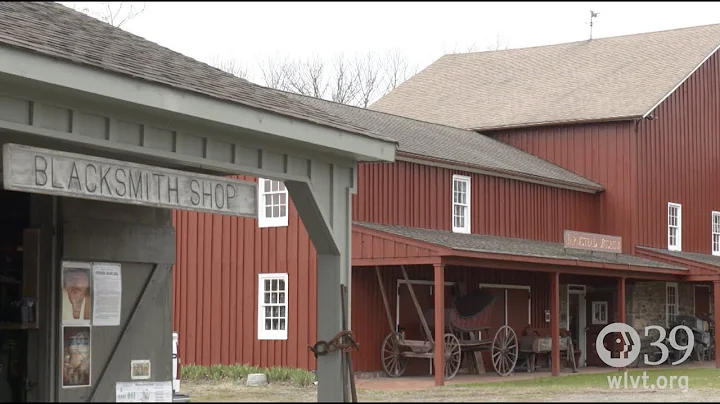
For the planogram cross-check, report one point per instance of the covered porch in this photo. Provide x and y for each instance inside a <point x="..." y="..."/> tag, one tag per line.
<point x="540" y="289"/>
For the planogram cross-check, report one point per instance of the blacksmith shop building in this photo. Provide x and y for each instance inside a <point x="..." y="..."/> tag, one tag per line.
<point x="104" y="135"/>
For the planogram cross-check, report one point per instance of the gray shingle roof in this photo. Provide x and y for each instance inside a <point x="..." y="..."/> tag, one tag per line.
<point x="510" y="246"/>
<point x="701" y="258"/>
<point x="61" y="32"/>
<point x="600" y="79"/>
<point x="451" y="144"/>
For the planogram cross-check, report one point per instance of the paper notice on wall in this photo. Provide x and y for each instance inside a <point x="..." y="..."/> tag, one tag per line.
<point x="143" y="392"/>
<point x="107" y="297"/>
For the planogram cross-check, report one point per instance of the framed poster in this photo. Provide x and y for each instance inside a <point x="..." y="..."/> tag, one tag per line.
<point x="76" y="356"/>
<point x="140" y="370"/>
<point x="77" y="293"/>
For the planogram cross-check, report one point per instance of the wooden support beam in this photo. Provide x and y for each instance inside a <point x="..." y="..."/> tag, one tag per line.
<point x="555" y="321"/>
<point x="385" y="300"/>
<point x="426" y="328"/>
<point x="439" y="352"/>
<point x="621" y="309"/>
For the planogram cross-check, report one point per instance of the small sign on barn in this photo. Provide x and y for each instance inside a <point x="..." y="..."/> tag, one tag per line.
<point x="592" y="242"/>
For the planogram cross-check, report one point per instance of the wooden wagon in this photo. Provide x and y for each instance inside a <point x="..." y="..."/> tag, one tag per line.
<point x="470" y="314"/>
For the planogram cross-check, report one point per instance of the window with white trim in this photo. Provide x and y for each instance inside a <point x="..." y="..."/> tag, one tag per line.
<point x="716" y="233"/>
<point x="272" y="306"/>
<point x="599" y="313"/>
<point x="461" y="204"/>
<point x="272" y="203"/>
<point x="671" y="303"/>
<point x="674" y="227"/>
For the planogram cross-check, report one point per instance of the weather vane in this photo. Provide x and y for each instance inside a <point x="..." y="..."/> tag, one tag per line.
<point x="592" y="16"/>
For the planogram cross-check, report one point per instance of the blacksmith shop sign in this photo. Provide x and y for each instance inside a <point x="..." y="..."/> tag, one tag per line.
<point x="592" y="242"/>
<point x="44" y="171"/>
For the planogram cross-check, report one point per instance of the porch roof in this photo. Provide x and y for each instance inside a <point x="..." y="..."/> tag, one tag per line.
<point x="699" y="265"/>
<point x="449" y="244"/>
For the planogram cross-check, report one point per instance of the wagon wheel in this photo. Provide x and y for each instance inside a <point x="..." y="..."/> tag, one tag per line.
<point x="504" y="350"/>
<point x="394" y="363"/>
<point x="453" y="356"/>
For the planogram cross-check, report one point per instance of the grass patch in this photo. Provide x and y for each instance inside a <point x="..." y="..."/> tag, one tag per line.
<point x="698" y="378"/>
<point x="276" y="374"/>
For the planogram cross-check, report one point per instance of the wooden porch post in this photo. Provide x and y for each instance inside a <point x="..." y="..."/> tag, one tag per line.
<point x="621" y="308"/>
<point x="439" y="359"/>
<point x="716" y="318"/>
<point x="555" y="321"/>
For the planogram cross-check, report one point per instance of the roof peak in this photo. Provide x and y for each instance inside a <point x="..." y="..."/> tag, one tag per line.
<point x="607" y="79"/>
<point x="593" y="40"/>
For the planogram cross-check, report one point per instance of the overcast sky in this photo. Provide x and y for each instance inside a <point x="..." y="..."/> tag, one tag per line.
<point x="249" y="31"/>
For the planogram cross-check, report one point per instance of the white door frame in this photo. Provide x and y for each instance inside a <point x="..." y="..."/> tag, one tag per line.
<point x="580" y="290"/>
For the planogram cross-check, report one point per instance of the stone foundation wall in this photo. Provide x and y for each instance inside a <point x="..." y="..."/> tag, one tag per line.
<point x="645" y="303"/>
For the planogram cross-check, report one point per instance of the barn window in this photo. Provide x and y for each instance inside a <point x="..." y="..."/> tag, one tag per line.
<point x="273" y="203"/>
<point x="674" y="227"/>
<point x="716" y="233"/>
<point x="272" y="306"/>
<point x="599" y="312"/>
<point x="461" y="204"/>
<point x="671" y="303"/>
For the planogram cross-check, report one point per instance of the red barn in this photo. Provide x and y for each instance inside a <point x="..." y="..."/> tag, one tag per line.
<point x="499" y="154"/>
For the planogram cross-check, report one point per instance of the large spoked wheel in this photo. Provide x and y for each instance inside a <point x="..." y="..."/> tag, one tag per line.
<point x="394" y="363"/>
<point x="504" y="351"/>
<point x="453" y="356"/>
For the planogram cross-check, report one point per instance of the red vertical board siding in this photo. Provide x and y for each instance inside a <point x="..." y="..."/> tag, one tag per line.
<point x="678" y="155"/>
<point x="501" y="207"/>
<point x="215" y="289"/>
<point x="604" y="152"/>
<point x="370" y="323"/>
<point x="218" y="258"/>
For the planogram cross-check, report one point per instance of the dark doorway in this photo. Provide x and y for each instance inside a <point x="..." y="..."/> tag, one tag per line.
<point x="14" y="319"/>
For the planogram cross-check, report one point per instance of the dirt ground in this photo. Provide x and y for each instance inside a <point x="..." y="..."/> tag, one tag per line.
<point x="238" y="392"/>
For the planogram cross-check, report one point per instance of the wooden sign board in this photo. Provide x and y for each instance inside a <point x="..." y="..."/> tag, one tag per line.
<point x="44" y="171"/>
<point x="592" y="242"/>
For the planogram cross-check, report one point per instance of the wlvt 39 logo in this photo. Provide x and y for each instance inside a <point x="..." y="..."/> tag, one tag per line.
<point x="631" y="345"/>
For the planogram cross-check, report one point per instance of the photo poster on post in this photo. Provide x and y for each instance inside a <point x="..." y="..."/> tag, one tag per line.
<point x="77" y="293"/>
<point x="140" y="370"/>
<point x="107" y="293"/>
<point x="76" y="356"/>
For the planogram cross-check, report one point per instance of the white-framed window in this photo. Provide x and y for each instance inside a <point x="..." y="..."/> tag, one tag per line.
<point x="461" y="204"/>
<point x="599" y="312"/>
<point x="716" y="233"/>
<point x="671" y="303"/>
<point x="272" y="203"/>
<point x="674" y="226"/>
<point x="272" y="306"/>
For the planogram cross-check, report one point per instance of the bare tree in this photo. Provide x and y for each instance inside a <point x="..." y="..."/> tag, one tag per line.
<point x="115" y="13"/>
<point x="500" y="44"/>
<point x="231" y="66"/>
<point x="272" y="73"/>
<point x="356" y="81"/>
<point x="461" y="49"/>
<point x="397" y="70"/>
